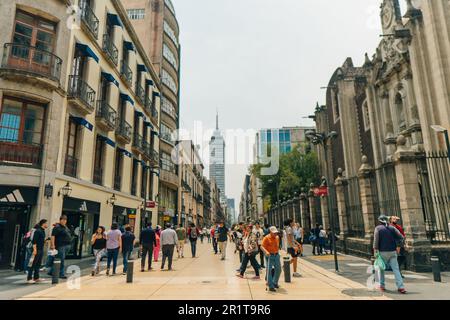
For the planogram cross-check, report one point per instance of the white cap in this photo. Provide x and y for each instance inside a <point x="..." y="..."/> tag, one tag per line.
<point x="273" y="230"/>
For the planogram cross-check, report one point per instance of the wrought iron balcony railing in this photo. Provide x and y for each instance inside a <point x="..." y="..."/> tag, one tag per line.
<point x="110" y="49"/>
<point x="90" y="20"/>
<point x="16" y="153"/>
<point x="124" y="130"/>
<point x="79" y="89"/>
<point x="126" y="72"/>
<point x="106" y="114"/>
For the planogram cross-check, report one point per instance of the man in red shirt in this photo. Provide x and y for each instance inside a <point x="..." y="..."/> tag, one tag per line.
<point x="401" y="250"/>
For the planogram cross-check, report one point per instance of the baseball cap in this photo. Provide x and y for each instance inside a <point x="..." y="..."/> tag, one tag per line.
<point x="273" y="230"/>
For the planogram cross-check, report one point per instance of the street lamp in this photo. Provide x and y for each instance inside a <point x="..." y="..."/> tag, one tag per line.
<point x="440" y="129"/>
<point x="324" y="139"/>
<point x="65" y="191"/>
<point x="111" y="201"/>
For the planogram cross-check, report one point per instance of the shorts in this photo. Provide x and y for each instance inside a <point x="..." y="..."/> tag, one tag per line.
<point x="292" y="252"/>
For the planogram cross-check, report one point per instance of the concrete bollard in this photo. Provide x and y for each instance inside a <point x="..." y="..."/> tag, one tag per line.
<point x="287" y="269"/>
<point x="130" y="271"/>
<point x="436" y="267"/>
<point x="55" y="271"/>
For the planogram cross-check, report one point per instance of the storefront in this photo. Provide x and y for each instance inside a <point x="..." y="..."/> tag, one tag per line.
<point x="82" y="220"/>
<point x="124" y="216"/>
<point x="16" y="204"/>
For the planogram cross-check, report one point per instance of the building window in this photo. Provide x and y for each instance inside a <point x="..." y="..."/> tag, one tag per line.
<point x="98" y="160"/>
<point x="166" y="163"/>
<point x="136" y="14"/>
<point x="170" y="56"/>
<point x="71" y="163"/>
<point x="168" y="107"/>
<point x="118" y="165"/>
<point x="400" y="111"/>
<point x="366" y="117"/>
<point x="170" y="6"/>
<point x="134" y="173"/>
<point x="166" y="133"/>
<point x="335" y="103"/>
<point x="168" y="81"/>
<point x="170" y="33"/>
<point x="144" y="181"/>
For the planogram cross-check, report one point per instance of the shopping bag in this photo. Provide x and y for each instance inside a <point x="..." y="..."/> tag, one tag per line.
<point x="379" y="262"/>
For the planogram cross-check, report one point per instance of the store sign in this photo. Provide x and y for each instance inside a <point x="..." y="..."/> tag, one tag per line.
<point x="166" y="218"/>
<point x="18" y="195"/>
<point x="321" y="191"/>
<point x="81" y="205"/>
<point x="151" y="204"/>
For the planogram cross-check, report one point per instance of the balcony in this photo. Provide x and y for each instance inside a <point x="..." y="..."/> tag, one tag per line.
<point x="110" y="49"/>
<point x="71" y="166"/>
<point x="23" y="62"/>
<point x="154" y="114"/>
<point x="123" y="131"/>
<point x="140" y="93"/>
<point x="117" y="183"/>
<point x="89" y="21"/>
<point x="169" y="178"/>
<point x="167" y="137"/>
<point x="81" y="94"/>
<point x="138" y="143"/>
<point x="20" y="154"/>
<point x="154" y="157"/>
<point x="98" y="176"/>
<point x="148" y="104"/>
<point x="105" y="115"/>
<point x="126" y="73"/>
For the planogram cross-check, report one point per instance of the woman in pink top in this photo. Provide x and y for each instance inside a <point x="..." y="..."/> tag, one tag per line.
<point x="158" y="244"/>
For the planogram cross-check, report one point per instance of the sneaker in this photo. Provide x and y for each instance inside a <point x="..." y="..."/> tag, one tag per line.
<point x="240" y="276"/>
<point x="402" y="290"/>
<point x="381" y="288"/>
<point x="277" y="286"/>
<point x="272" y="290"/>
<point x="31" y="281"/>
<point x="107" y="272"/>
<point x="296" y="275"/>
<point x="93" y="273"/>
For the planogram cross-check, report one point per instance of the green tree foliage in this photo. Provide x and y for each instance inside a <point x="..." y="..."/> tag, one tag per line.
<point x="297" y="170"/>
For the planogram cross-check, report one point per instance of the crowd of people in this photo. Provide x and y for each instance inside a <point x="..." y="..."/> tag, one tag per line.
<point x="255" y="244"/>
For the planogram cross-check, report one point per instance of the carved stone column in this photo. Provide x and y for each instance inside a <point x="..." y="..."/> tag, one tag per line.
<point x="419" y="252"/>
<point x="367" y="197"/>
<point x="342" y="210"/>
<point x="296" y="208"/>
<point x="312" y="207"/>
<point x="304" y="213"/>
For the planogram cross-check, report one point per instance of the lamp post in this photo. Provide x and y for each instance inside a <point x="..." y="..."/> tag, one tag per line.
<point x="324" y="139"/>
<point x="440" y="129"/>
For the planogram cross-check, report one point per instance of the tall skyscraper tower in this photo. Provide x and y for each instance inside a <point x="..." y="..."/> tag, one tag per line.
<point x="217" y="159"/>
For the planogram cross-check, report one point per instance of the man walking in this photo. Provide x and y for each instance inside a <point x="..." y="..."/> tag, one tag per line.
<point x="147" y="240"/>
<point x="385" y="243"/>
<point x="222" y="239"/>
<point x="37" y="242"/>
<point x="181" y="234"/>
<point x="128" y="240"/>
<point x="271" y="246"/>
<point x="315" y="233"/>
<point x="168" y="240"/>
<point x="259" y="233"/>
<point x="292" y="245"/>
<point x="61" y="241"/>
<point x="193" y="234"/>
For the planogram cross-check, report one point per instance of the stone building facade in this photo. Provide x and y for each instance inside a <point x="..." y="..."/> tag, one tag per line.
<point x="79" y="125"/>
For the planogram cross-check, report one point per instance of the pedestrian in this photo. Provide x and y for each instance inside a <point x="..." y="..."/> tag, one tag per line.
<point x="314" y="239"/>
<point x="37" y="253"/>
<point x="193" y="234"/>
<point x="251" y="250"/>
<point x="271" y="246"/>
<point x="113" y="247"/>
<point x="238" y="240"/>
<point x="330" y="239"/>
<point x="27" y="249"/>
<point x="147" y="241"/>
<point x="169" y="240"/>
<point x="128" y="241"/>
<point x="98" y="242"/>
<point x="181" y="234"/>
<point x="402" y="249"/>
<point x="222" y="239"/>
<point x="157" y="247"/>
<point x="259" y="233"/>
<point x="298" y="235"/>
<point x="385" y="243"/>
<point x="61" y="241"/>
<point x="208" y="234"/>
<point x="202" y="235"/>
<point x="292" y="245"/>
<point x="214" y="235"/>
<point x="322" y="240"/>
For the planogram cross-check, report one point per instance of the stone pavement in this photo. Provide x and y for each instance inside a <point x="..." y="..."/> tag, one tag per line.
<point x="208" y="278"/>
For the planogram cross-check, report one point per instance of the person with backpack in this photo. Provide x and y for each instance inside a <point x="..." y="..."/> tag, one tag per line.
<point x="193" y="234"/>
<point x="98" y="242"/>
<point x="385" y="245"/>
<point x="27" y="248"/>
<point x="223" y="239"/>
<point x="128" y="241"/>
<point x="37" y="245"/>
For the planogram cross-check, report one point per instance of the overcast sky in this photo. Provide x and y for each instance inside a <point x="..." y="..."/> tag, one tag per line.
<point x="261" y="63"/>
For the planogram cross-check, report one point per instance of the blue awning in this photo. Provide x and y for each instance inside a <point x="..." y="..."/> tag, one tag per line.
<point x="154" y="133"/>
<point x="83" y="122"/>
<point x="114" y="20"/>
<point x="107" y="141"/>
<point x="128" y="45"/>
<point x="86" y="51"/>
<point x="109" y="77"/>
<point x="149" y="82"/>
<point x="126" y="97"/>
<point x="141" y="68"/>
<point x="125" y="152"/>
<point x="143" y="163"/>
<point x="156" y="94"/>
<point x="139" y="114"/>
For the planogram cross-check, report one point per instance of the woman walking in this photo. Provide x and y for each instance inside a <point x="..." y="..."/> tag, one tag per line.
<point x="158" y="244"/>
<point x="98" y="242"/>
<point x="113" y="246"/>
<point x="251" y="249"/>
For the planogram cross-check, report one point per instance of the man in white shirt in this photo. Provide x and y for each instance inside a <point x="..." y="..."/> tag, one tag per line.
<point x="169" y="240"/>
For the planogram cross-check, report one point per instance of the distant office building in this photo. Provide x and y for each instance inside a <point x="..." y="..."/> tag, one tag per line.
<point x="217" y="159"/>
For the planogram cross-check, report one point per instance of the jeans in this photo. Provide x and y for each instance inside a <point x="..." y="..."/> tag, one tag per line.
<point x="126" y="256"/>
<point x="193" y="247"/>
<point x="146" y="249"/>
<point x="113" y="255"/>
<point x="35" y="266"/>
<point x="28" y="254"/>
<point x="214" y="243"/>
<point x="62" y="252"/>
<point x="167" y="252"/>
<point x="223" y="248"/>
<point x="315" y="245"/>
<point x="252" y="258"/>
<point x="273" y="261"/>
<point x="390" y="258"/>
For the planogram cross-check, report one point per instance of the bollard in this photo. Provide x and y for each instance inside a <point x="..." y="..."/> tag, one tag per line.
<point x="55" y="271"/>
<point x="130" y="271"/>
<point x="436" y="267"/>
<point x="287" y="269"/>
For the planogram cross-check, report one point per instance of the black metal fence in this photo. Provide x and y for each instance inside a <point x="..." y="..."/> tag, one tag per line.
<point x="332" y="198"/>
<point x="387" y="191"/>
<point x="318" y="208"/>
<point x="434" y="183"/>
<point x="353" y="206"/>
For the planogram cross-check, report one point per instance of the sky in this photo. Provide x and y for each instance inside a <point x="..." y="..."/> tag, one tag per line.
<point x="261" y="63"/>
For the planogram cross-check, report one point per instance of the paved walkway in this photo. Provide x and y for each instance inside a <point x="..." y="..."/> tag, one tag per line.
<point x="209" y="278"/>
